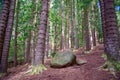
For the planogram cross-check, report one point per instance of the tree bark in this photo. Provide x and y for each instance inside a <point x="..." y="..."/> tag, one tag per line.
<point x="110" y="29"/>
<point x="86" y="18"/>
<point x="40" y="48"/>
<point x="3" y="23"/>
<point x="94" y="36"/>
<point x="7" y="38"/>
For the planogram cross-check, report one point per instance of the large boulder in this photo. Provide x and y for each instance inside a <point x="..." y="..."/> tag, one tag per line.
<point x="63" y="59"/>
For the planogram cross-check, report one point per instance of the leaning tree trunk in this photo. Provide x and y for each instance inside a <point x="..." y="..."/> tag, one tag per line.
<point x="3" y="23"/>
<point x="110" y="29"/>
<point x="7" y="38"/>
<point x="40" y="48"/>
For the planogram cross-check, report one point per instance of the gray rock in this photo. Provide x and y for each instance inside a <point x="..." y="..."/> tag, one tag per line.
<point x="81" y="62"/>
<point x="63" y="59"/>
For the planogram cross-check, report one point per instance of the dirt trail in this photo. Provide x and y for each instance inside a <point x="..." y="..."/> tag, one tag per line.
<point x="89" y="71"/>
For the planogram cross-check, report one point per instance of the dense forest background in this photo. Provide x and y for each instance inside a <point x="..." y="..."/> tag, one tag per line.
<point x="41" y="28"/>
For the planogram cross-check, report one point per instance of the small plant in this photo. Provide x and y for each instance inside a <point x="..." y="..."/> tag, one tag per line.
<point x="111" y="65"/>
<point x="38" y="69"/>
<point x="104" y="56"/>
<point x="53" y="54"/>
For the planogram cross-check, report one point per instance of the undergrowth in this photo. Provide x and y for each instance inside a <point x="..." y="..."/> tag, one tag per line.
<point x="38" y="69"/>
<point x="111" y="65"/>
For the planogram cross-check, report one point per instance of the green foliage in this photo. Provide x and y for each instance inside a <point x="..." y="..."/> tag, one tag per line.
<point x="25" y="19"/>
<point x="0" y="5"/>
<point x="117" y="2"/>
<point x="116" y="65"/>
<point x="104" y="56"/>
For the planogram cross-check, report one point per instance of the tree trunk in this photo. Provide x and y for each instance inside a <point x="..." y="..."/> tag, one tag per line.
<point x="40" y="48"/>
<point x="86" y="14"/>
<point x="55" y="39"/>
<point x="7" y="38"/>
<point x="83" y="28"/>
<point x="47" y="40"/>
<point x="74" y="24"/>
<point x="90" y="30"/>
<point x="94" y="36"/>
<point x="68" y="29"/>
<point x="63" y="28"/>
<point x="33" y="32"/>
<point x="110" y="29"/>
<point x="27" y="53"/>
<point x="16" y="34"/>
<point x="3" y="23"/>
<point x="47" y="37"/>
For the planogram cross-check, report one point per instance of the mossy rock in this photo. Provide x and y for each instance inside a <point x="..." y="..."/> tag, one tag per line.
<point x="63" y="59"/>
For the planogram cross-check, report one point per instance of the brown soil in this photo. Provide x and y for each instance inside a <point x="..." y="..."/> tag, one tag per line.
<point x="89" y="71"/>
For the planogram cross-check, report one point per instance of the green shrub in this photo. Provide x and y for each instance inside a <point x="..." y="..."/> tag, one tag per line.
<point x="53" y="54"/>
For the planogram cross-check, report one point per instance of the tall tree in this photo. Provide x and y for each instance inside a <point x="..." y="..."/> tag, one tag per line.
<point x="7" y="38"/>
<point x="16" y="32"/>
<point x="74" y="23"/>
<point x="68" y="28"/>
<point x="110" y="29"/>
<point x="40" y="48"/>
<point x="33" y="32"/>
<point x="28" y="45"/>
<point x="3" y="23"/>
<point x="63" y="27"/>
<point x="87" y="35"/>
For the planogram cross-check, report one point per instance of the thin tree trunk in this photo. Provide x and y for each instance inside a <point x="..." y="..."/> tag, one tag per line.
<point x="28" y="45"/>
<point x="90" y="30"/>
<point x="86" y="14"/>
<point x="16" y="34"/>
<point x="33" y="42"/>
<point x="40" y="48"/>
<point x="63" y="28"/>
<point x="94" y="36"/>
<point x="68" y="29"/>
<point x="47" y="46"/>
<point x="7" y="38"/>
<point x="83" y="28"/>
<point x="74" y="24"/>
<point x="47" y="40"/>
<point x="55" y="39"/>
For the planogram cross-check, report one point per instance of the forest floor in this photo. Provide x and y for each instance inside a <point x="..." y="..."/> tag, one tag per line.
<point x="89" y="71"/>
